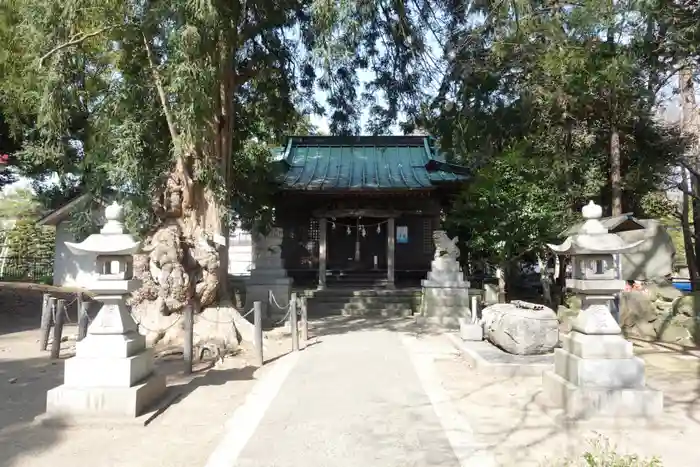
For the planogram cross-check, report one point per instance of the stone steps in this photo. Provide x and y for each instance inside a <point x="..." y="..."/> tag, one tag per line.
<point x="327" y="309"/>
<point x="363" y="302"/>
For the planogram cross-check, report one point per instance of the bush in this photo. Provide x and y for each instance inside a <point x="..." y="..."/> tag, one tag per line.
<point x="602" y="454"/>
<point x="29" y="256"/>
<point x="28" y="240"/>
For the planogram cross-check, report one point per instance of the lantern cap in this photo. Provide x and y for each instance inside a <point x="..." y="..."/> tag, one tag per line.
<point x="112" y="240"/>
<point x="593" y="237"/>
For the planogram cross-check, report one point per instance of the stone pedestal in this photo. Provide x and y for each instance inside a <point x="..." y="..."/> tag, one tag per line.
<point x="445" y="294"/>
<point x="596" y="372"/>
<point x="268" y="275"/>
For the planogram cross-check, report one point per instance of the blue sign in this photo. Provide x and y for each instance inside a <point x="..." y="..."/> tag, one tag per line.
<point x="402" y="234"/>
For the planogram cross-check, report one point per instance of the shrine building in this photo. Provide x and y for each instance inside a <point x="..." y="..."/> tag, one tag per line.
<point x="361" y="210"/>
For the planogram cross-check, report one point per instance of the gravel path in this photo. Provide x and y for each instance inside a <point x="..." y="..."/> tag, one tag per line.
<point x="354" y="399"/>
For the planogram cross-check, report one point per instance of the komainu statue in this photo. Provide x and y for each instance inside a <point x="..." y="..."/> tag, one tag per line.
<point x="444" y="246"/>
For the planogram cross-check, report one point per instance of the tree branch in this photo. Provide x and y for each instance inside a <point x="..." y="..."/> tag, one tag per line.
<point x="77" y="39"/>
<point x="690" y="169"/>
<point x="161" y="91"/>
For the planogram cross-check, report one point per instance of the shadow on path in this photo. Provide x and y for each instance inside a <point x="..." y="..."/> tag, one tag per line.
<point x="23" y="387"/>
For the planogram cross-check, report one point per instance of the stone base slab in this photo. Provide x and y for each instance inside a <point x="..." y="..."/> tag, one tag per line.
<point x="108" y="372"/>
<point x="106" y="401"/>
<point x="64" y="419"/>
<point x="580" y="402"/>
<point x="445" y="322"/>
<point x="489" y="359"/>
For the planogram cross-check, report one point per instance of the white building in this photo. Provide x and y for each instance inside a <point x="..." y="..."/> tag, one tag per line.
<point x="70" y="270"/>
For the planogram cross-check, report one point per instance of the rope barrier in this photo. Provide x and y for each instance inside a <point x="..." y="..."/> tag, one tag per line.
<point x="289" y="307"/>
<point x="289" y="311"/>
<point x="153" y="330"/>
<point x="274" y="300"/>
<point x="223" y="322"/>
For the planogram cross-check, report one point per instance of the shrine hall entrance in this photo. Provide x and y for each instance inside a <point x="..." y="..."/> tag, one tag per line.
<point x="357" y="244"/>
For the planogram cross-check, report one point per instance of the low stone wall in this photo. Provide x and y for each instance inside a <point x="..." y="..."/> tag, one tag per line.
<point x="660" y="313"/>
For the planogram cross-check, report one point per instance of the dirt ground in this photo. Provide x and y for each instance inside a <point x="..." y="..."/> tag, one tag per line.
<point x="510" y="417"/>
<point x="515" y="422"/>
<point x="184" y="435"/>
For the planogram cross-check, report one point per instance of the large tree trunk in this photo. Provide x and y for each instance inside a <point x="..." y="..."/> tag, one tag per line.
<point x="615" y="172"/>
<point x="690" y="126"/>
<point x="688" y="237"/>
<point x="187" y="253"/>
<point x="614" y="143"/>
<point x="182" y="267"/>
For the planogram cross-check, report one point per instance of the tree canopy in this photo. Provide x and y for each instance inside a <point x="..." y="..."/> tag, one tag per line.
<point x="175" y="104"/>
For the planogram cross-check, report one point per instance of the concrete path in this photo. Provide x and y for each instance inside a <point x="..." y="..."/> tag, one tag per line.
<point x="354" y="399"/>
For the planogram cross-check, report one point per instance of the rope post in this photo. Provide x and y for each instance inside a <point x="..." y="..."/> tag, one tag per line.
<point x="58" y="328"/>
<point x="304" y="321"/>
<point x="475" y="310"/>
<point x="293" y="322"/>
<point x="47" y="305"/>
<point x="258" y="334"/>
<point x="188" y="350"/>
<point x="83" y="318"/>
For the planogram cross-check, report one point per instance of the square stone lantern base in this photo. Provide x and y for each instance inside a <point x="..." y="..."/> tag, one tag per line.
<point x="596" y="373"/>
<point x="584" y="402"/>
<point x="112" y="373"/>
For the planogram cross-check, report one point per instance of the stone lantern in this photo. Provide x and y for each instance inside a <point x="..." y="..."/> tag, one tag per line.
<point x="595" y="371"/>
<point x="112" y="372"/>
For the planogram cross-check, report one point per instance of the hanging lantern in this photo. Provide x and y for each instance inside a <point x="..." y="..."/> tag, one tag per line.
<point x="364" y="232"/>
<point x="348" y="230"/>
<point x="379" y="228"/>
<point x="333" y="225"/>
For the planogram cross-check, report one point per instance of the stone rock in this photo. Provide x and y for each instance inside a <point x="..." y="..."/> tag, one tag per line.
<point x="663" y="306"/>
<point x="674" y="328"/>
<point x="489" y="313"/>
<point x="688" y="305"/>
<point x="672" y="322"/>
<point x="635" y="308"/>
<point x="665" y="291"/>
<point x="647" y="330"/>
<point x="521" y="331"/>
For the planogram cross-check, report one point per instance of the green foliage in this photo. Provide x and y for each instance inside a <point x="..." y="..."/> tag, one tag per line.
<point x="530" y="101"/>
<point x="511" y="208"/>
<point x="19" y="204"/>
<point x="602" y="454"/>
<point x="93" y="72"/>
<point x="27" y="253"/>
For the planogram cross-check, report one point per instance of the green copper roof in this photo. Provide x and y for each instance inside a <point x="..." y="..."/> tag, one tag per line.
<point x="325" y="163"/>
